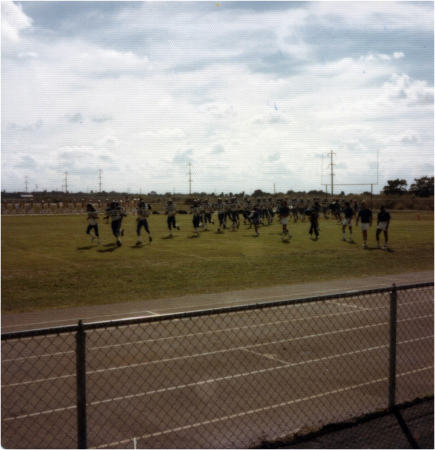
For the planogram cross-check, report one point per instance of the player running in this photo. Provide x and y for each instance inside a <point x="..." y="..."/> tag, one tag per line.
<point x="171" y="211"/>
<point x="220" y="207"/>
<point x="196" y="210"/>
<point x="247" y="208"/>
<point x="93" y="224"/>
<point x="283" y="214"/>
<point x="234" y="211"/>
<point x="116" y="213"/>
<point x="143" y="212"/>
<point x="208" y="210"/>
<point x="255" y="219"/>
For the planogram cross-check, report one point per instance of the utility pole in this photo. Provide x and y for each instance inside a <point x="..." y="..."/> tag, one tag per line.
<point x="190" y="179"/>
<point x="99" y="180"/>
<point x="332" y="173"/>
<point x="66" y="182"/>
<point x="26" y="182"/>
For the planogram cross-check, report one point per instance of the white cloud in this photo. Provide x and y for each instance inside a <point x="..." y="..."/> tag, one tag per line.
<point x="385" y="15"/>
<point x="271" y="118"/>
<point x="398" y="55"/>
<point x="13" y="20"/>
<point x="219" y="110"/>
<point x="249" y="95"/>
<point x="407" y="137"/>
<point x="413" y="92"/>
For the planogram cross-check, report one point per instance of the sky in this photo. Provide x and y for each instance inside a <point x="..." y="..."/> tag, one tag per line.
<point x="243" y="95"/>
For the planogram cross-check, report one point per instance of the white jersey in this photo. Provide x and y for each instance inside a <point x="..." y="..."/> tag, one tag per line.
<point x="171" y="209"/>
<point x="208" y="209"/>
<point x="220" y="207"/>
<point x="92" y="217"/>
<point x="234" y="206"/>
<point x="196" y="210"/>
<point x="144" y="212"/>
<point x="116" y="214"/>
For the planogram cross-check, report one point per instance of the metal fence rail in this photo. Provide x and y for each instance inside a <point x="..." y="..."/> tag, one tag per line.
<point x="228" y="377"/>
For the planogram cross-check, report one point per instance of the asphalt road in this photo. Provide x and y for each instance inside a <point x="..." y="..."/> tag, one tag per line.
<point x="226" y="380"/>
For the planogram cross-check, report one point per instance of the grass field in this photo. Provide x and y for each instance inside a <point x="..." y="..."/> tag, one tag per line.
<point x="48" y="261"/>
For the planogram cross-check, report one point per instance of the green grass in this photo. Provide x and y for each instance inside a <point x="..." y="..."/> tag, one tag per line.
<point x="48" y="262"/>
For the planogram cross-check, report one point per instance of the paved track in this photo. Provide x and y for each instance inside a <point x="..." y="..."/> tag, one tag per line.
<point x="139" y="308"/>
<point x="221" y="381"/>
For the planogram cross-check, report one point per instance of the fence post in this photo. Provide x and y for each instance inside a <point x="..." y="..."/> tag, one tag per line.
<point x="81" y="386"/>
<point x="393" y="334"/>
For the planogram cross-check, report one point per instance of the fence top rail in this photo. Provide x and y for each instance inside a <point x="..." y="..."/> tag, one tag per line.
<point x="205" y="312"/>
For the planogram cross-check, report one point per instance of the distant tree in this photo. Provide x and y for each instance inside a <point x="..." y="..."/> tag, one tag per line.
<point x="259" y="193"/>
<point x="395" y="187"/>
<point x="423" y="187"/>
<point x="314" y="192"/>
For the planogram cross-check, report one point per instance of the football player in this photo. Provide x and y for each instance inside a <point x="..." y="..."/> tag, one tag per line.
<point x="347" y="222"/>
<point x="92" y="225"/>
<point x="284" y="213"/>
<point x="247" y="207"/>
<point x="196" y="210"/>
<point x="143" y="212"/>
<point x="116" y="213"/>
<point x="171" y="211"/>
<point x="208" y="210"/>
<point x="234" y="210"/>
<point x="220" y="207"/>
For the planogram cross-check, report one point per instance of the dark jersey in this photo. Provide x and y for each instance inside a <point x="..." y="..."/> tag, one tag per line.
<point x="384" y="216"/>
<point x="284" y="211"/>
<point x="365" y="215"/>
<point x="348" y="213"/>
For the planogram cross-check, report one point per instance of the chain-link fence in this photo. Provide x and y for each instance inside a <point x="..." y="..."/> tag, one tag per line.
<point x="229" y="377"/>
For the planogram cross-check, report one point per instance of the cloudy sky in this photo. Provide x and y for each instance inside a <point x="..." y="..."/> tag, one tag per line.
<point x="254" y="95"/>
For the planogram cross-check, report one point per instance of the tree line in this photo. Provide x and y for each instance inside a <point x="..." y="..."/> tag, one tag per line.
<point x="422" y="187"/>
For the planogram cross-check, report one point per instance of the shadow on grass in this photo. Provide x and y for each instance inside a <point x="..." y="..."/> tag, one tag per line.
<point x="169" y="237"/>
<point x="194" y="236"/>
<point x="88" y="247"/>
<point x="389" y="250"/>
<point x="136" y="246"/>
<point x="109" y="248"/>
